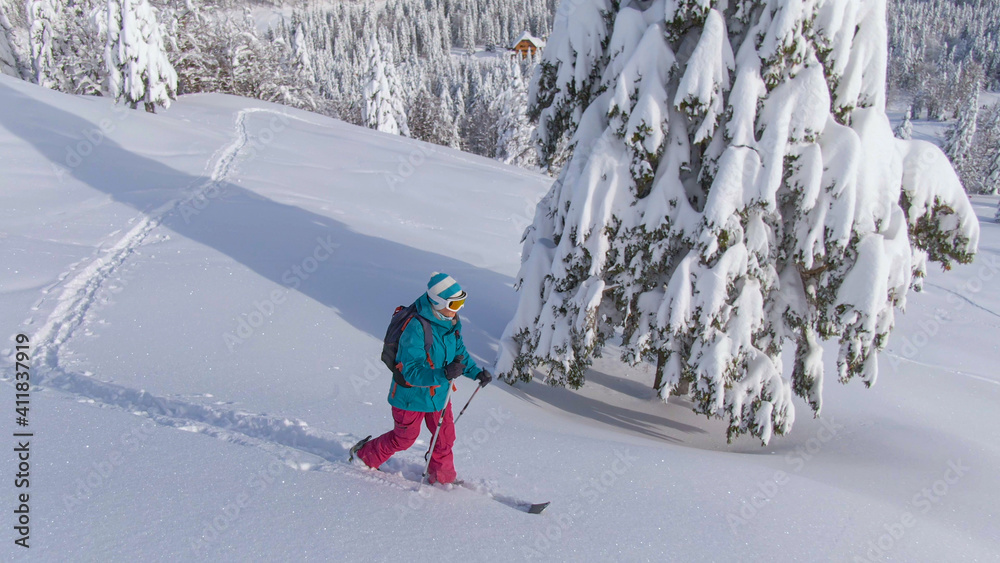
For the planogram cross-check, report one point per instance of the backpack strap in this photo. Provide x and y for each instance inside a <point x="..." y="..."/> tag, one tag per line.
<point x="397" y="374"/>
<point x="428" y="338"/>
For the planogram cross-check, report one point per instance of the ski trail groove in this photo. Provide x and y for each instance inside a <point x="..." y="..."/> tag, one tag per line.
<point x="227" y="424"/>
<point x="964" y="298"/>
<point x="276" y="434"/>
<point x="945" y="369"/>
<point x="80" y="291"/>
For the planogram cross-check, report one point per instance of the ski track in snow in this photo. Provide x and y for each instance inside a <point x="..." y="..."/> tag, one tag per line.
<point x="276" y="434"/>
<point x="80" y="292"/>
<point x="945" y="369"/>
<point x="293" y="441"/>
<point x="964" y="298"/>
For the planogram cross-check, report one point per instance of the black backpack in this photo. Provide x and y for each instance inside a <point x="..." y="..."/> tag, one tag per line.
<point x="390" y="344"/>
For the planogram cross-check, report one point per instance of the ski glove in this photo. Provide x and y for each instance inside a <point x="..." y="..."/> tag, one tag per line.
<point x="484" y="378"/>
<point x="455" y="368"/>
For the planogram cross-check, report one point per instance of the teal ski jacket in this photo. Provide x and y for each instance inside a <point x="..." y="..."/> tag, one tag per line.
<point x="425" y="372"/>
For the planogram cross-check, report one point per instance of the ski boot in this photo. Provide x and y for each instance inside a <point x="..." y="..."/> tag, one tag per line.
<point x="355" y="448"/>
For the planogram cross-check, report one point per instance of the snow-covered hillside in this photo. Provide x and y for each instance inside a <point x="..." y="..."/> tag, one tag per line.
<point x="206" y="290"/>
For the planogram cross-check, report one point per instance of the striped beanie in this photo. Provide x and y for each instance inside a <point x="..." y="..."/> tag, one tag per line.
<point x="441" y="288"/>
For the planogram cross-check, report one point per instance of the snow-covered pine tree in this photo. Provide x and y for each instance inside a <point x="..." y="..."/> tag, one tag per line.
<point x="468" y="37"/>
<point x="381" y="111"/>
<point x="733" y="185"/>
<point x="935" y="92"/>
<point x="397" y="94"/>
<point x="479" y="127"/>
<point x="42" y="18"/>
<point x="303" y="54"/>
<point x="961" y="136"/>
<point x="562" y="90"/>
<point x="194" y="56"/>
<point x="80" y="48"/>
<point x="514" y="144"/>
<point x="9" y="63"/>
<point x="448" y="125"/>
<point x="430" y="121"/>
<point x="459" y="102"/>
<point x="136" y="57"/>
<point x="988" y="147"/>
<point x="905" y="129"/>
<point x="489" y="35"/>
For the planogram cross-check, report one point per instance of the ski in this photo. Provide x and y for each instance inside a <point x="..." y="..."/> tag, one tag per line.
<point x="538" y="507"/>
<point x="523" y="506"/>
<point x="389" y="477"/>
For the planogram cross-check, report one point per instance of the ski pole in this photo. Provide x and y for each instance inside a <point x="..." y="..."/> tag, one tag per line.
<point x="427" y="456"/>
<point x="478" y="387"/>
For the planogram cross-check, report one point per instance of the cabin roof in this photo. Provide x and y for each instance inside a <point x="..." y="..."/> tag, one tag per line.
<point x="529" y="37"/>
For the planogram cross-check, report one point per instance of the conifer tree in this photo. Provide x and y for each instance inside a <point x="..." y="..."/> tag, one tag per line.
<point x="905" y="129"/>
<point x="989" y="151"/>
<point x="382" y="109"/>
<point x="961" y="137"/>
<point x="80" y="49"/>
<point x="135" y="54"/>
<point x="448" y="125"/>
<point x="9" y="61"/>
<point x="514" y="144"/>
<point x="731" y="187"/>
<point x="42" y="18"/>
<point x="302" y="53"/>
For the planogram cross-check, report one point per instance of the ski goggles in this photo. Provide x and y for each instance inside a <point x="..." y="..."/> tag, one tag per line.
<point x="457" y="302"/>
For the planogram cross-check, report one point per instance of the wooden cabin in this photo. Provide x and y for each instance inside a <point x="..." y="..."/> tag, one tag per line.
<point x="527" y="45"/>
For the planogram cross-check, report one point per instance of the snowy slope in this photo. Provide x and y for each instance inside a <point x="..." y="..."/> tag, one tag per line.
<point x="206" y="290"/>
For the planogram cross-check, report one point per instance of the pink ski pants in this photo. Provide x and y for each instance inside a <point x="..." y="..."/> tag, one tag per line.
<point x="404" y="434"/>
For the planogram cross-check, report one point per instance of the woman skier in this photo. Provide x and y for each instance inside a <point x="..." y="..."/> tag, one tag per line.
<point x="427" y="367"/>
